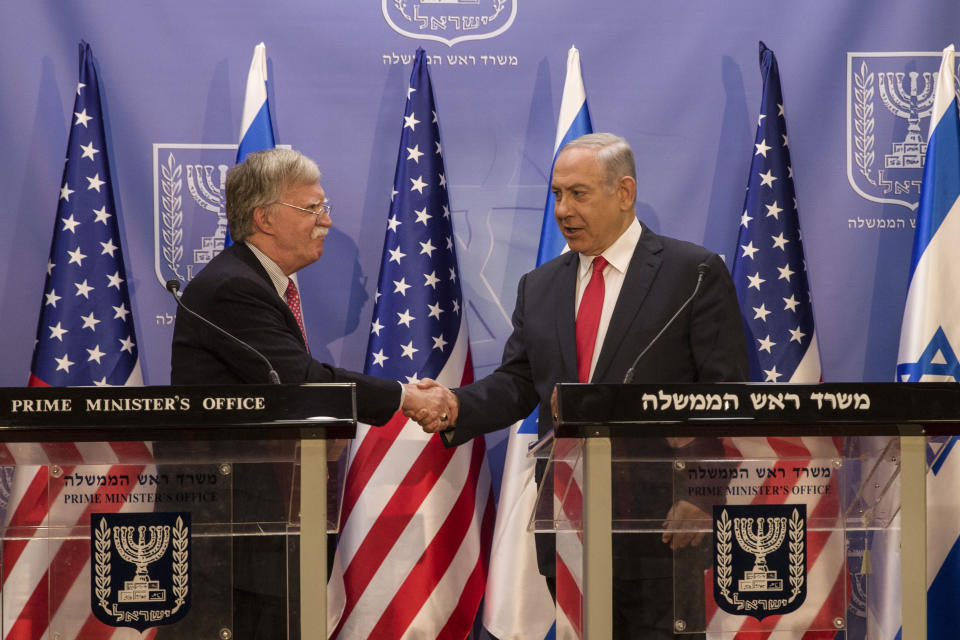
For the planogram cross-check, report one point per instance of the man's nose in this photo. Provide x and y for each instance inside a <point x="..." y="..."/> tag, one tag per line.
<point x="559" y="207"/>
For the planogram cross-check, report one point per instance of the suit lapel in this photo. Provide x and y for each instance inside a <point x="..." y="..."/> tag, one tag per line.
<point x="243" y="252"/>
<point x="643" y="269"/>
<point x="566" y="291"/>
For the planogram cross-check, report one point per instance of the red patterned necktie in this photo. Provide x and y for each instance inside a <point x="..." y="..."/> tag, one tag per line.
<point x="292" y="297"/>
<point x="588" y="319"/>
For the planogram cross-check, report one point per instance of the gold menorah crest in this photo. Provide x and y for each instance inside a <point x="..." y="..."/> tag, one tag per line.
<point x="150" y="544"/>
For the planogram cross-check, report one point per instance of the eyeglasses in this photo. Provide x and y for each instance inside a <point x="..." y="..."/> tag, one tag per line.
<point x="322" y="208"/>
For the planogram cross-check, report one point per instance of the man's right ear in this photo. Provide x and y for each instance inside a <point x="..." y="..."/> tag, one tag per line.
<point x="262" y="221"/>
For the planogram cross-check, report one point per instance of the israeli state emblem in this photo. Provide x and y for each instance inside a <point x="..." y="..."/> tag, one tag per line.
<point x="190" y="220"/>
<point x="140" y="568"/>
<point x="449" y="21"/>
<point x="759" y="558"/>
<point x="889" y="101"/>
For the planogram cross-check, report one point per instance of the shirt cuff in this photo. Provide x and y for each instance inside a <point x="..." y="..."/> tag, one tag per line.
<point x="403" y="395"/>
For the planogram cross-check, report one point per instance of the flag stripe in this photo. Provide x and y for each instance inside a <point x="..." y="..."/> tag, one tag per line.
<point x="940" y="187"/>
<point x="567" y="598"/>
<point x="256" y="128"/>
<point x="369" y="455"/>
<point x="70" y="560"/>
<point x="473" y="589"/>
<point x="29" y="514"/>
<point x="438" y="555"/>
<point x="399" y="511"/>
<point x="259" y="135"/>
<point x="552" y="242"/>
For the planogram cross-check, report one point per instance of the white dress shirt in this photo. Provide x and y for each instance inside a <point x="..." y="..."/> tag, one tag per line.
<point x="618" y="255"/>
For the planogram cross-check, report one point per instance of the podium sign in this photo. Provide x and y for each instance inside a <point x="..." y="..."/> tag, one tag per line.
<point x="165" y="507"/>
<point x="759" y="503"/>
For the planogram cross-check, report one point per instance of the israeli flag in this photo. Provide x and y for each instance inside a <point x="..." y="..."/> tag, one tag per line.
<point x="929" y="339"/>
<point x="517" y="602"/>
<point x="574" y="121"/>
<point x="256" y="128"/>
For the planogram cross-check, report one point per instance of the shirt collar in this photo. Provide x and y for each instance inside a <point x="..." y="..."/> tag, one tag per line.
<point x="277" y="276"/>
<point x="619" y="253"/>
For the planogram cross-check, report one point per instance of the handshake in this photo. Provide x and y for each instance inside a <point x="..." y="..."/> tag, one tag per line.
<point x="431" y="405"/>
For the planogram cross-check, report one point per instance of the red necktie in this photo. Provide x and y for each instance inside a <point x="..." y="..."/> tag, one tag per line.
<point x="292" y="297"/>
<point x="588" y="319"/>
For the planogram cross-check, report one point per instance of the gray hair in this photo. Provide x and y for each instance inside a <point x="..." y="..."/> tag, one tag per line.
<point x="613" y="154"/>
<point x="261" y="180"/>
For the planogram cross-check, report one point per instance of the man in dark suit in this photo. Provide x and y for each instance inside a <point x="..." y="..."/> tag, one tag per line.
<point x="573" y="322"/>
<point x="279" y="218"/>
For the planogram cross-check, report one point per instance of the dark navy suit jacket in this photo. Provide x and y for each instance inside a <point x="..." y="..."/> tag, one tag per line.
<point x="705" y="344"/>
<point x="234" y="292"/>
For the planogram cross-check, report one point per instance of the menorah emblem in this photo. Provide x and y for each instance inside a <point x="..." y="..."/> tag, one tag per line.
<point x="910" y="104"/>
<point x="760" y="542"/>
<point x="206" y="184"/>
<point x="150" y="545"/>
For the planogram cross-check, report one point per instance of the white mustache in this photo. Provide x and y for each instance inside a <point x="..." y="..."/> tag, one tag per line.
<point x="319" y="232"/>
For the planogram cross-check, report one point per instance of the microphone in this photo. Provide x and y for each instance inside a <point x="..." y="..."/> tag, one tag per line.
<point x="702" y="270"/>
<point x="173" y="286"/>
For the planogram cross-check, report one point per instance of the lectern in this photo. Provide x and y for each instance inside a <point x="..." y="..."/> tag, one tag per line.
<point x="139" y="503"/>
<point x="778" y="494"/>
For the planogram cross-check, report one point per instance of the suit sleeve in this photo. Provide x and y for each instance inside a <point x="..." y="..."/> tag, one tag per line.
<point x="506" y="395"/>
<point x="243" y="307"/>
<point x="717" y="337"/>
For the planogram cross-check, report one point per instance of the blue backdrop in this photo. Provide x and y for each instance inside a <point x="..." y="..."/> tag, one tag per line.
<point x="679" y="80"/>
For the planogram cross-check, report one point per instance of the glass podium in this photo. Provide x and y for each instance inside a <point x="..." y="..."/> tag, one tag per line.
<point x="201" y="512"/>
<point x="760" y="507"/>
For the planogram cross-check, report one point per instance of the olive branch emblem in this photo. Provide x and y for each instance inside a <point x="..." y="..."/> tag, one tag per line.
<point x="864" y="122"/>
<point x="797" y="556"/>
<point x="102" y="564"/>
<point x="171" y="204"/>
<point x="725" y="558"/>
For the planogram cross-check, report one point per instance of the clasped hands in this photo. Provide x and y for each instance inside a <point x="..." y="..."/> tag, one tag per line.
<point x="431" y="405"/>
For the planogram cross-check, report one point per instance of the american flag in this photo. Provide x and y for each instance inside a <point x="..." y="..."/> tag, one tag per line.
<point x="770" y="276"/>
<point x="85" y="336"/>
<point x="769" y="270"/>
<point x="416" y="517"/>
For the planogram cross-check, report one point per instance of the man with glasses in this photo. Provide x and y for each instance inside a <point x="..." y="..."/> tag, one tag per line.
<point x="279" y="218"/>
